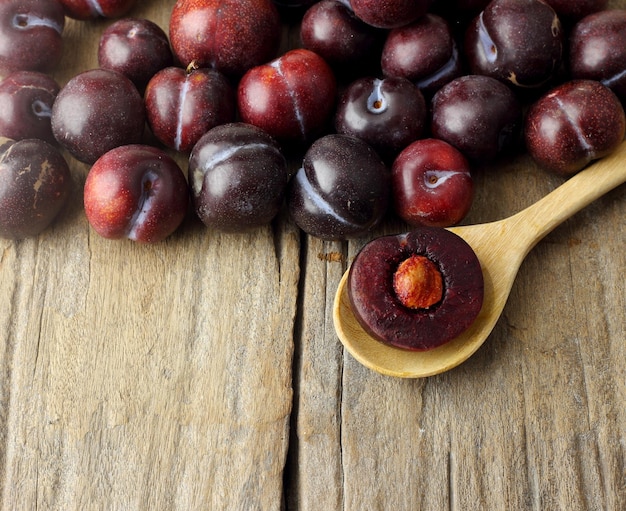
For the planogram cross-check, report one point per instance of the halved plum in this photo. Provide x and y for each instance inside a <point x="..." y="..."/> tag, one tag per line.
<point x="416" y="290"/>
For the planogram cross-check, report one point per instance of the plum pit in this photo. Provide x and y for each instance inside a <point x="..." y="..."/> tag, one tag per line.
<point x="418" y="283"/>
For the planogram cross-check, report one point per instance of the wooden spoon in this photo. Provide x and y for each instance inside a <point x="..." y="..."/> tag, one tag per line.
<point x="501" y="247"/>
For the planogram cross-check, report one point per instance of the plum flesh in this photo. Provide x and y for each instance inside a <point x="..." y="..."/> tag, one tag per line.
<point x="384" y="314"/>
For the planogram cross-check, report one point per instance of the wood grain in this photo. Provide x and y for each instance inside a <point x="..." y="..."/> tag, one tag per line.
<point x="204" y="373"/>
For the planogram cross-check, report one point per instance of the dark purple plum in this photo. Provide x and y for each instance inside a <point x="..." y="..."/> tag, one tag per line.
<point x="573" y="124"/>
<point x="387" y="113"/>
<point x="137" y="48"/>
<point x="231" y="36"/>
<point x="31" y="35"/>
<point x="431" y="184"/>
<point x="291" y="97"/>
<point x="342" y="189"/>
<point x="136" y="192"/>
<point x="416" y="291"/>
<point x="598" y="50"/>
<point x="390" y="13"/>
<point x="35" y="183"/>
<point x="96" y="111"/>
<point x="478" y="115"/>
<point x="331" y="29"/>
<point x="26" y="99"/>
<point x="519" y="42"/>
<point x="182" y="105"/>
<point x="424" y="52"/>
<point x="238" y="177"/>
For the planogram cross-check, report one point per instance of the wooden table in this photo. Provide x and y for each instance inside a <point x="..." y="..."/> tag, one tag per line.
<point x="204" y="372"/>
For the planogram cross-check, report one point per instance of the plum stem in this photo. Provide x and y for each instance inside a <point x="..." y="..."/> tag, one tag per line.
<point x="193" y="66"/>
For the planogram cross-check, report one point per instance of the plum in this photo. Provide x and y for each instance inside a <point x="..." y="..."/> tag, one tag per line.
<point x="387" y="113"/>
<point x="424" y="52"/>
<point x="519" y="42"/>
<point x="573" y="124"/>
<point x="417" y="290"/>
<point x="342" y="189"/>
<point x="182" y="105"/>
<point x="390" y="13"/>
<point x="136" y="192"/>
<point x="26" y="99"/>
<point x="135" y="47"/>
<point x="291" y="97"/>
<point x="96" y="111"/>
<point x="331" y="29"/>
<point x="93" y="9"/>
<point x="35" y="183"/>
<point x="238" y="177"/>
<point x="228" y="35"/>
<point x="478" y="115"/>
<point x="597" y="50"/>
<point x="31" y="35"/>
<point x="431" y="184"/>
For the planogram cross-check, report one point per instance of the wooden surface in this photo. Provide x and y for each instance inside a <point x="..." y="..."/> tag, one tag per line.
<point x="203" y="373"/>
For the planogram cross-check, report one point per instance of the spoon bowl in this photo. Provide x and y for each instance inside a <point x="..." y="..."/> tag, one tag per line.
<point x="501" y="247"/>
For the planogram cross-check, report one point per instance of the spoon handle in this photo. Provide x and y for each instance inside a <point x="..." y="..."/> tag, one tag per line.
<point x="569" y="198"/>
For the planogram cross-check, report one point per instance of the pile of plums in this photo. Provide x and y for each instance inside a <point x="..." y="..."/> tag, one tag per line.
<point x="383" y="106"/>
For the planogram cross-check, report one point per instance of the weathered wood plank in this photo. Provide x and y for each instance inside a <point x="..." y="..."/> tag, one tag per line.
<point x="157" y="376"/>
